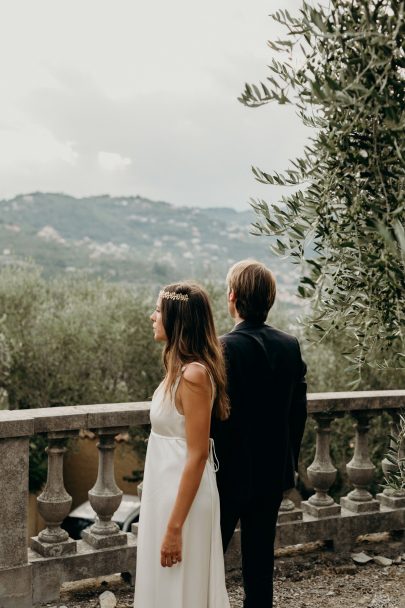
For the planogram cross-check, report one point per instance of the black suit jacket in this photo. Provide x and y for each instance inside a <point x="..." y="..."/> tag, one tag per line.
<point x="258" y="446"/>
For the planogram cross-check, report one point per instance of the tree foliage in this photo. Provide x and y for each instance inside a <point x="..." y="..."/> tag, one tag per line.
<point x="73" y="342"/>
<point x="344" y="222"/>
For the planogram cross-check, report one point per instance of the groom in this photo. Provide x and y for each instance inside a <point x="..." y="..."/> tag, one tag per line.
<point x="258" y="446"/>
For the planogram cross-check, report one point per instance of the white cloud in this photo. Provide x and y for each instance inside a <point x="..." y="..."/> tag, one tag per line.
<point x="111" y="161"/>
<point x="30" y="145"/>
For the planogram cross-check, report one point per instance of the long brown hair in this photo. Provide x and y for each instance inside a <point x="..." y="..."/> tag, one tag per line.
<point x="191" y="336"/>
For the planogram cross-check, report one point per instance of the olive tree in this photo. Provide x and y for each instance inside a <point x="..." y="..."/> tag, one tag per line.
<point x="343" y="67"/>
<point x="71" y="342"/>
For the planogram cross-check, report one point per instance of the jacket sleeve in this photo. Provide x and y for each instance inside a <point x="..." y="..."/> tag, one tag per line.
<point x="298" y="411"/>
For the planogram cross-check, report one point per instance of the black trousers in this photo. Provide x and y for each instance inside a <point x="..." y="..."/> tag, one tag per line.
<point x="258" y="518"/>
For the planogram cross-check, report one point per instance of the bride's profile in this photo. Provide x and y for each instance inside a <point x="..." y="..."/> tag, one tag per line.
<point x="180" y="560"/>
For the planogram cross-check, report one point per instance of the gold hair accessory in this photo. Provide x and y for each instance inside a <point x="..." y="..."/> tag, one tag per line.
<point x="172" y="295"/>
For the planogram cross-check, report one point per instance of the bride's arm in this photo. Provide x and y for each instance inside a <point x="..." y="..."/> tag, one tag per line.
<point x="194" y="397"/>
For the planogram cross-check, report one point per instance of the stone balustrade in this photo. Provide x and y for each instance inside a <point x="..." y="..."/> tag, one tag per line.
<point x="34" y="575"/>
<point x="320" y="517"/>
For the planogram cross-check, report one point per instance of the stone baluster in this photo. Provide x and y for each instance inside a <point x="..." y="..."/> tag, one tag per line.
<point x="54" y="503"/>
<point x="360" y="470"/>
<point x="395" y="499"/>
<point x="105" y="496"/>
<point x="322" y="473"/>
<point x="288" y="511"/>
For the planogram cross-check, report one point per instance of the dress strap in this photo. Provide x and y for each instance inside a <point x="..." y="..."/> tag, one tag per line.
<point x="213" y="458"/>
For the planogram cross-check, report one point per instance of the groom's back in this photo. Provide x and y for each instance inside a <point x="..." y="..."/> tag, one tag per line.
<point x="258" y="445"/>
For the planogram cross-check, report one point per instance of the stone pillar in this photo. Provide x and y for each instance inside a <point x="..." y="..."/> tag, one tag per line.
<point x="360" y="470"/>
<point x="322" y="473"/>
<point x="288" y="511"/>
<point x="105" y="496"/>
<point x="15" y="571"/>
<point x="54" y="503"/>
<point x="395" y="499"/>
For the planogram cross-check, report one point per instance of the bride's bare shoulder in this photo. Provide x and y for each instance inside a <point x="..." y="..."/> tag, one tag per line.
<point x="197" y="374"/>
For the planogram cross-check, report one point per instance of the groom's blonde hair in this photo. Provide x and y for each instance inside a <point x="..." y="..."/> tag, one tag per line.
<point x="254" y="286"/>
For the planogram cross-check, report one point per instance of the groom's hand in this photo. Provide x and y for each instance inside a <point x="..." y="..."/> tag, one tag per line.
<point x="170" y="552"/>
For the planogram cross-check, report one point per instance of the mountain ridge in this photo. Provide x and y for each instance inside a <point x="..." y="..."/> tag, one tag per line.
<point x="130" y="238"/>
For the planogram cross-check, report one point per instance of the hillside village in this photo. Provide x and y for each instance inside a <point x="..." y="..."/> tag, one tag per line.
<point x="133" y="239"/>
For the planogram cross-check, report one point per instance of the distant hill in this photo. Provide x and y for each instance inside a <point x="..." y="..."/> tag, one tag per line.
<point x="131" y="239"/>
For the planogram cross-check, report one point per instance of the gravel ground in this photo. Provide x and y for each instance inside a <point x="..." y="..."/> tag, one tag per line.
<point x="305" y="577"/>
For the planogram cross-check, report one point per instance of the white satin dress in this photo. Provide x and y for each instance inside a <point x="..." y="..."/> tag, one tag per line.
<point x="198" y="581"/>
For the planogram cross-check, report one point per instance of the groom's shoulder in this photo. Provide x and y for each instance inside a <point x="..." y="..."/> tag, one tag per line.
<point x="228" y="337"/>
<point x="229" y="340"/>
<point x="283" y="342"/>
<point x="233" y="342"/>
<point x="266" y="334"/>
<point x="264" y="330"/>
<point x="280" y="335"/>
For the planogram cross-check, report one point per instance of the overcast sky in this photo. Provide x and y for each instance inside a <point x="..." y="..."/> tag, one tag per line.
<point x="134" y="97"/>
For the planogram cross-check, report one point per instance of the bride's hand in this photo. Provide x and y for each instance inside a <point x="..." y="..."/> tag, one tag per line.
<point x="170" y="552"/>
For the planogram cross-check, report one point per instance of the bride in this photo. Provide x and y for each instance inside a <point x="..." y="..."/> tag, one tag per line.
<point x="180" y="560"/>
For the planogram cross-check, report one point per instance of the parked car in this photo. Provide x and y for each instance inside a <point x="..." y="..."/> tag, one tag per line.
<point x="84" y="515"/>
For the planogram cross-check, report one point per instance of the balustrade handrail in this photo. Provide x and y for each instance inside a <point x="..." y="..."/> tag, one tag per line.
<point x="15" y="423"/>
<point x="355" y="401"/>
<point x="18" y="423"/>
